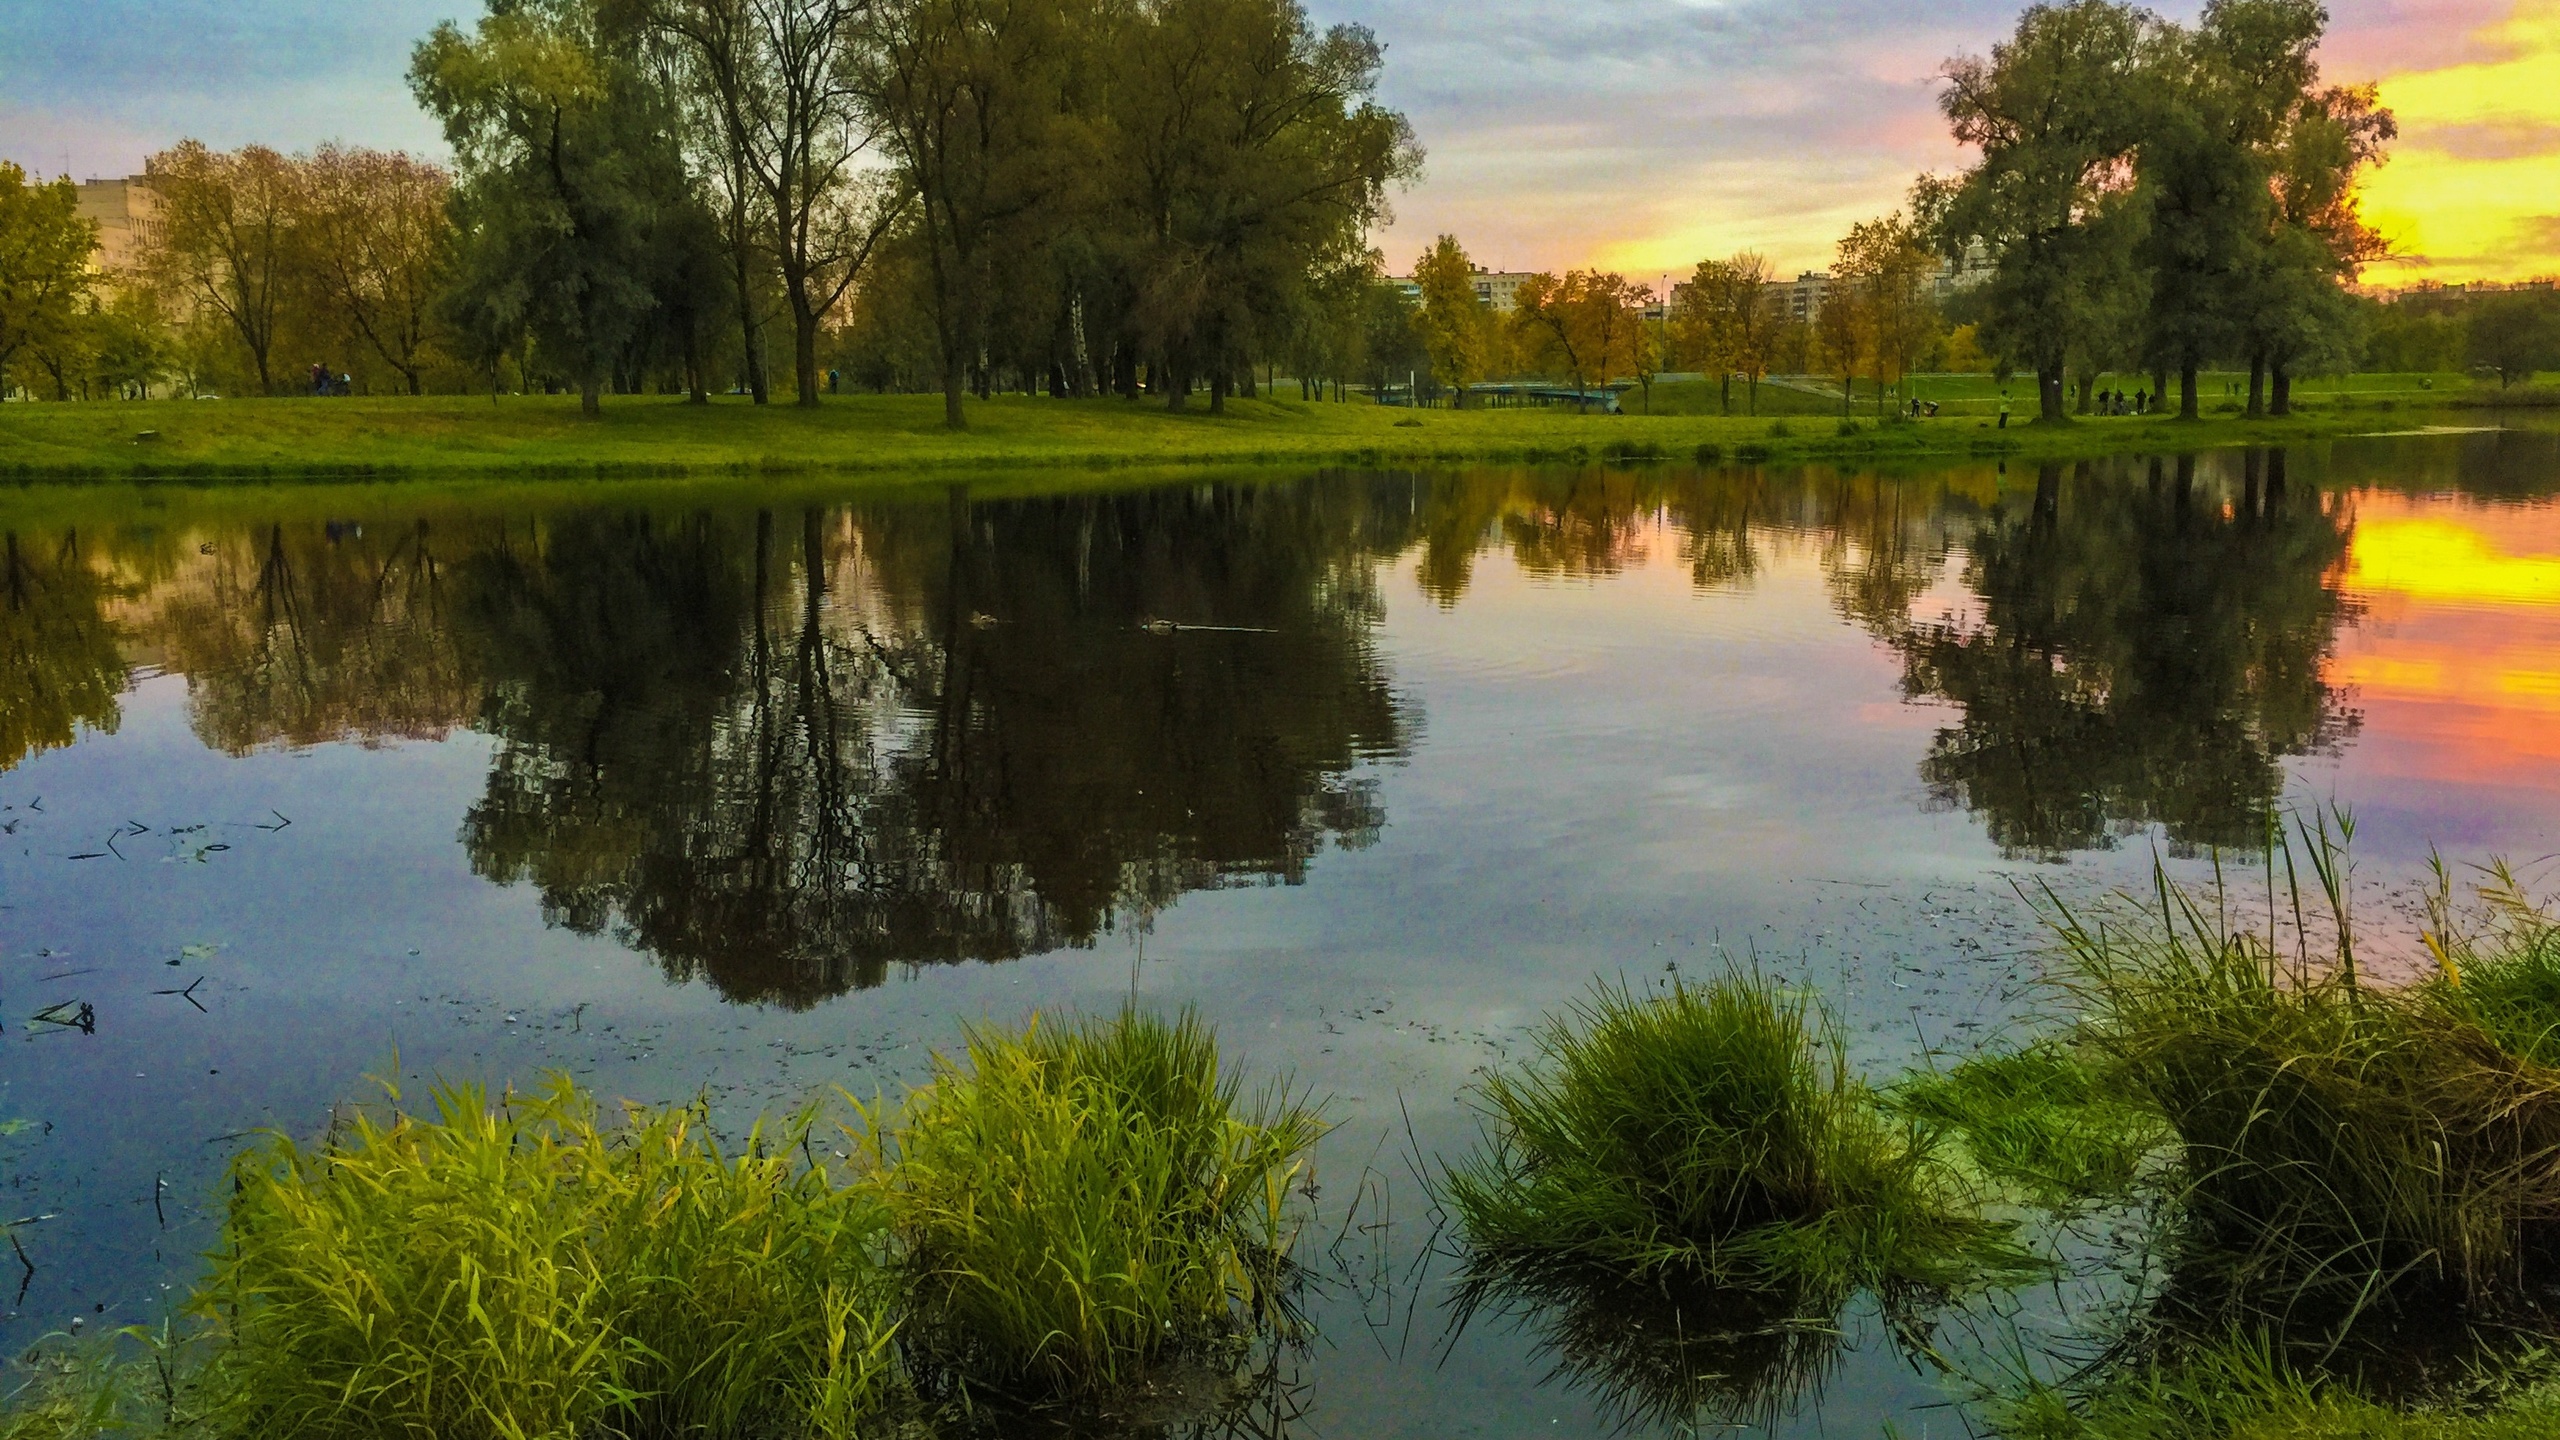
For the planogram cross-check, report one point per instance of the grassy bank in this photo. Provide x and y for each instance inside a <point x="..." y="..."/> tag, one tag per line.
<point x="524" y="437"/>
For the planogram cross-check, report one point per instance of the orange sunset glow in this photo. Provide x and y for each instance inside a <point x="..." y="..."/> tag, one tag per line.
<point x="2456" y="664"/>
<point x="2472" y="190"/>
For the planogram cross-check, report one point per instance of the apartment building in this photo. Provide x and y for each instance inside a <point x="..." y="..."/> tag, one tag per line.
<point x="126" y="211"/>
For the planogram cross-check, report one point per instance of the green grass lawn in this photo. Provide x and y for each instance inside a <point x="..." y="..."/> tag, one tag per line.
<point x="532" y="437"/>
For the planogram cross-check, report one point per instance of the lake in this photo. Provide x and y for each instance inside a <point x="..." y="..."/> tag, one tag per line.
<point x="747" y="792"/>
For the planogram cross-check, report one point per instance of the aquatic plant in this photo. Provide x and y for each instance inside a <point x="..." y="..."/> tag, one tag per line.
<point x="1080" y="1201"/>
<point x="2337" y="1143"/>
<point x="2243" y="1387"/>
<point x="523" y="1269"/>
<point x="2038" y="1118"/>
<point x="2498" y="961"/>
<point x="1708" y="1136"/>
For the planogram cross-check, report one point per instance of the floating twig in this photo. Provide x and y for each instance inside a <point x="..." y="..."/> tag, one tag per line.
<point x="281" y="820"/>
<point x="188" y="994"/>
<point x="67" y="1014"/>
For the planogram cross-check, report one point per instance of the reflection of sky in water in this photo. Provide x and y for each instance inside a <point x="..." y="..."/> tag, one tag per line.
<point x="2456" y="668"/>
<point x="1639" y="733"/>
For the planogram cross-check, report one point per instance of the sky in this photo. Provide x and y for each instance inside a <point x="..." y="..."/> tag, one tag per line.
<point x="1641" y="135"/>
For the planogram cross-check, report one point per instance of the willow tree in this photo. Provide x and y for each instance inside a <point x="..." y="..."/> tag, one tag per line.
<point x="569" y="169"/>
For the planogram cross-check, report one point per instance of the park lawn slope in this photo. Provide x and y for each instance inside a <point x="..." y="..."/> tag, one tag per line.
<point x="534" y="437"/>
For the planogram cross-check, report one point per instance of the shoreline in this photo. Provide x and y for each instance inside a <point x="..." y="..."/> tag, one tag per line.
<point x="543" y="439"/>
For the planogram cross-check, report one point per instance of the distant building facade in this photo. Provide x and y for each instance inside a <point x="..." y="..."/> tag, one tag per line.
<point x="126" y="211"/>
<point x="1496" y="290"/>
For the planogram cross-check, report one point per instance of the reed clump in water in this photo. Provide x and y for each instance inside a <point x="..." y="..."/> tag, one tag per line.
<point x="2337" y="1143"/>
<point x="524" y="1269"/>
<point x="1077" y="1203"/>
<point x="1709" y="1136"/>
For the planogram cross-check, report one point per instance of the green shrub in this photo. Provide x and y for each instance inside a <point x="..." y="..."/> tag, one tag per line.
<point x="1079" y="1202"/>
<point x="524" y="1270"/>
<point x="1708" y="1137"/>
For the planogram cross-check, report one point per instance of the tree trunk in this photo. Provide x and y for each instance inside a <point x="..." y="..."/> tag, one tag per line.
<point x="954" y="386"/>
<point x="2187" y="392"/>
<point x="1725" y="398"/>
<point x="2159" y="389"/>
<point x="2049" y="403"/>
<point x="1218" y="385"/>
<point x="804" y="347"/>
<point x="2257" y="386"/>
<point x="590" y="397"/>
<point x="2280" y="401"/>
<point x="2088" y="383"/>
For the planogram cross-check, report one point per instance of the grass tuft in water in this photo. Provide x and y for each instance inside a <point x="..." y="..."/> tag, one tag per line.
<point x="1081" y="1202"/>
<point x="2339" y="1145"/>
<point x="2040" y="1119"/>
<point x="1709" y="1136"/>
<point x="523" y="1269"/>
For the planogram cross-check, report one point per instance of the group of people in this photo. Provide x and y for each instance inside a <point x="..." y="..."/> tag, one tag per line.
<point x="1922" y="409"/>
<point x="325" y="381"/>
<point x="2116" y="402"/>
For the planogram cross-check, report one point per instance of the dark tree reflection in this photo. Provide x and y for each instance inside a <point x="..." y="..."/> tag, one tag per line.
<point x="63" y="660"/>
<point x="787" y="752"/>
<point x="2147" y="651"/>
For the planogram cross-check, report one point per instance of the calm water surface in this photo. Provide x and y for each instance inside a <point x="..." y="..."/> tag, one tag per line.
<point x="746" y="794"/>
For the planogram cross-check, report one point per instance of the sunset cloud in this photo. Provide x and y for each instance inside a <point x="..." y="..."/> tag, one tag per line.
<point x="2473" y="187"/>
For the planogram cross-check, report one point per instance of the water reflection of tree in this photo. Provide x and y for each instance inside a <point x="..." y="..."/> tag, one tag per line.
<point x="787" y="754"/>
<point x="2147" y="651"/>
<point x="297" y="635"/>
<point x="64" y="663"/>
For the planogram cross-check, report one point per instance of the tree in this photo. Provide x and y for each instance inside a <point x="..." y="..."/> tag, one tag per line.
<point x="1253" y="156"/>
<point x="1891" y="268"/>
<point x="44" y="261"/>
<point x="226" y="239"/>
<point x="562" y="147"/>
<point x="2057" y="112"/>
<point x="378" y="238"/>
<point x="1722" y="322"/>
<point x="1453" y="318"/>
<point x="779" y="77"/>
<point x="2515" y="335"/>
<point x="971" y="100"/>
<point x="2320" y="242"/>
<point x="1584" y="326"/>
<point x="1840" y="328"/>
